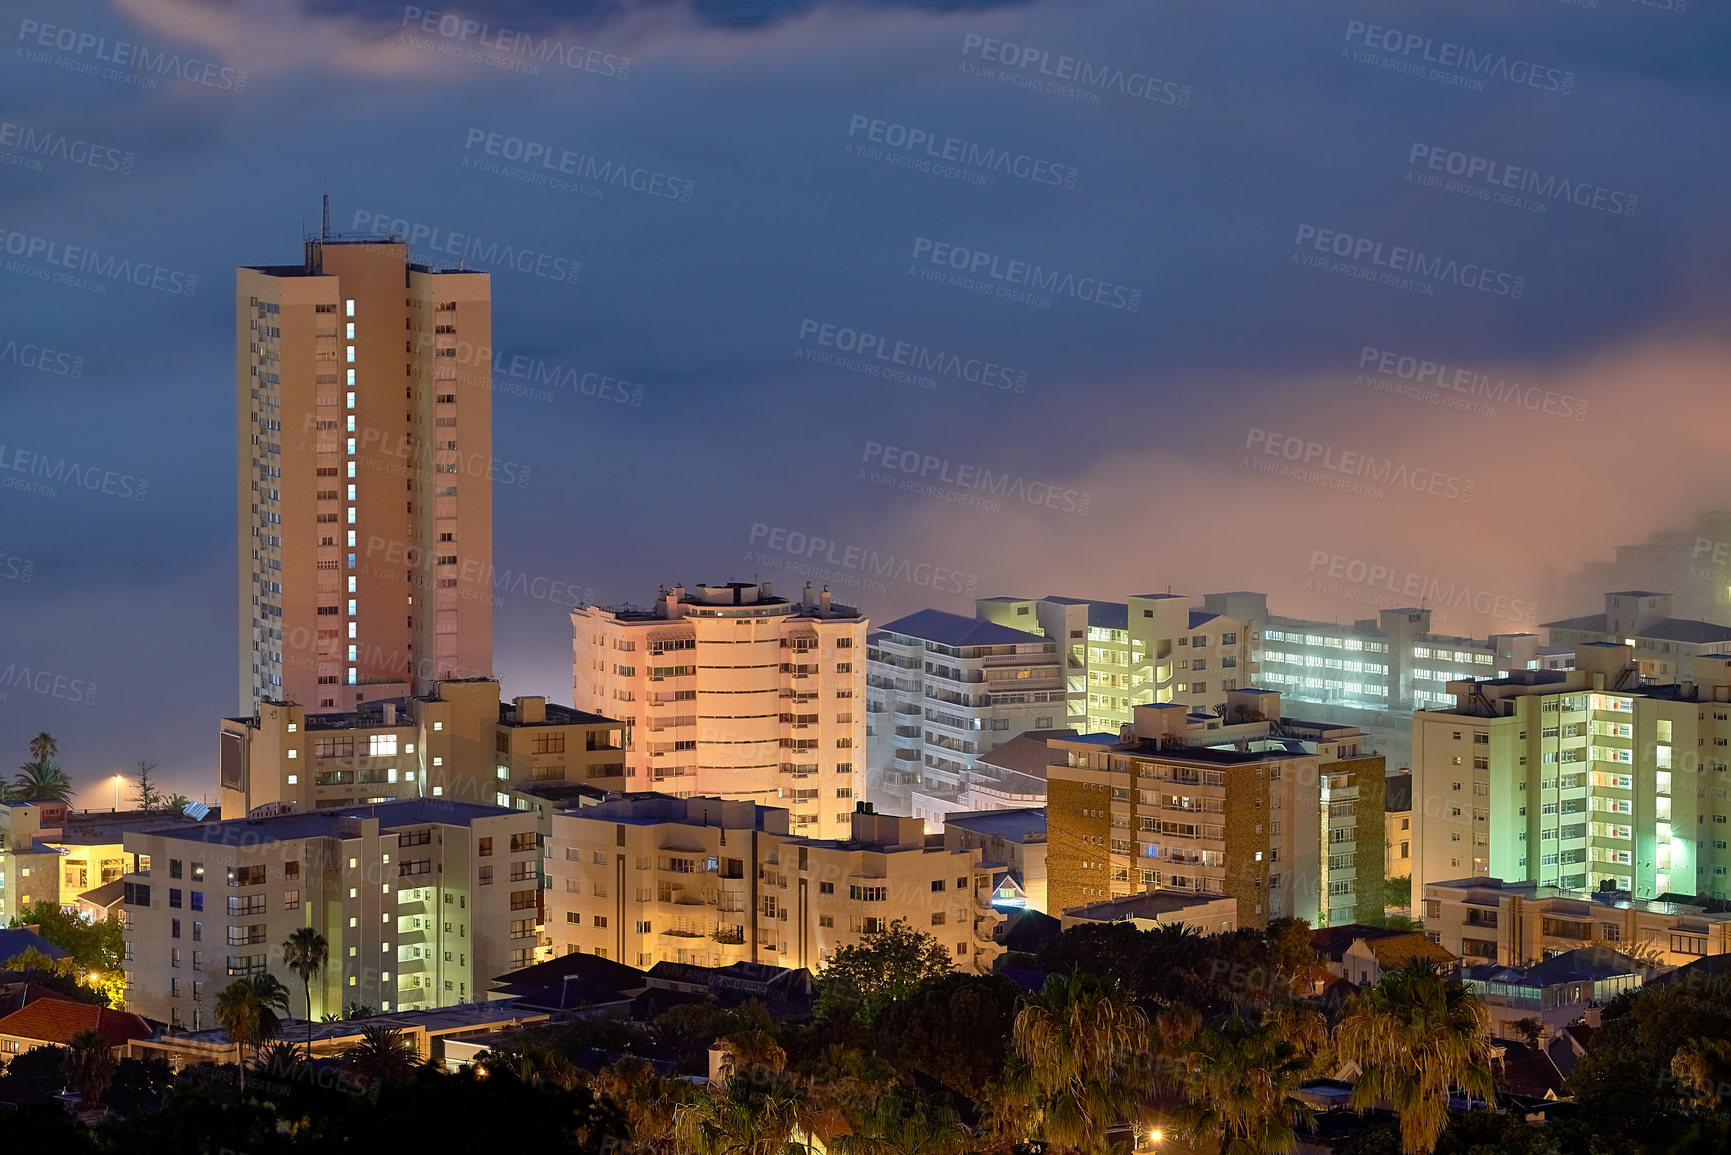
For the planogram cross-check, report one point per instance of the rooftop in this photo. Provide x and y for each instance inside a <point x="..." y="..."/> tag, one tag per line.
<point x="1493" y="889"/>
<point x="1685" y="630"/>
<point x="329" y="823"/>
<point x="460" y="1019"/>
<point x="16" y="941"/>
<point x="1021" y="825"/>
<point x="1150" y="904"/>
<point x="960" y="631"/>
<point x="1027" y="753"/>
<point x="56" y="1020"/>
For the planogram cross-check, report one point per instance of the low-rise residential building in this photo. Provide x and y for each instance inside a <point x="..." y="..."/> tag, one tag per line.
<point x="647" y="879"/>
<point x="1283" y="815"/>
<point x="422" y="902"/>
<point x="459" y="742"/>
<point x="51" y="1021"/>
<point x="735" y="692"/>
<point x="1579" y="779"/>
<point x="1665" y="647"/>
<point x="1559" y="990"/>
<point x="438" y="1034"/>
<point x="944" y="690"/>
<point x="1012" y="844"/>
<point x="1518" y="923"/>
<point x="52" y="853"/>
<point x="1202" y="913"/>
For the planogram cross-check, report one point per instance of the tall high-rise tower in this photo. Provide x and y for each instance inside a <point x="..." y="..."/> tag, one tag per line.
<point x="365" y="462"/>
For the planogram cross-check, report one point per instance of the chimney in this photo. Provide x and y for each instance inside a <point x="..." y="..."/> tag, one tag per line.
<point x="390" y="713"/>
<point x="805" y="597"/>
<point x="823" y="600"/>
<point x="672" y="601"/>
<point x="530" y="711"/>
<point x="767" y="589"/>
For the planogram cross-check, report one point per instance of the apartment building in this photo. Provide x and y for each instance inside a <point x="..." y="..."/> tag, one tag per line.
<point x="734" y="692"/>
<point x="1012" y="845"/>
<point x="1694" y="564"/>
<point x="52" y="853"/>
<point x="1665" y="647"/>
<point x="1489" y="920"/>
<point x="1151" y="648"/>
<point x="422" y="901"/>
<point x="365" y="518"/>
<point x="652" y="878"/>
<point x="1283" y="816"/>
<point x="1375" y="672"/>
<point x="1579" y="779"/>
<point x="945" y="689"/>
<point x="1397" y="819"/>
<point x="458" y="741"/>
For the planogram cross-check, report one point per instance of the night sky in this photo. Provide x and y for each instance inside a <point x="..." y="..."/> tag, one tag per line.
<point x="1234" y="210"/>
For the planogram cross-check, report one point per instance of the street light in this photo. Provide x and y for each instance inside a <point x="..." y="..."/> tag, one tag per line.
<point x="117" y="780"/>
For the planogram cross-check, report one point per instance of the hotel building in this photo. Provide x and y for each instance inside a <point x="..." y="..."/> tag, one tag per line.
<point x="944" y="690"/>
<point x="733" y="692"/>
<point x="1281" y="815"/>
<point x="1578" y="779"/>
<point x="422" y="902"/>
<point x="653" y="878"/>
<point x="365" y="518"/>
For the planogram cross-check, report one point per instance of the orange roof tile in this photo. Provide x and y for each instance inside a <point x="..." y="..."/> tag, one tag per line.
<point x="57" y="1021"/>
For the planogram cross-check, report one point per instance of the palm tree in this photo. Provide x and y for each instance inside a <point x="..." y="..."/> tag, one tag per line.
<point x="305" y="952"/>
<point x="247" y="1009"/>
<point x="649" y="1101"/>
<point x="747" y="1116"/>
<point x="1082" y="1057"/>
<point x="90" y="1065"/>
<point x="903" y="1122"/>
<point x="41" y="781"/>
<point x="43" y="747"/>
<point x="384" y="1055"/>
<point x="1416" y="1036"/>
<point x="536" y="1066"/>
<point x="1239" y="1082"/>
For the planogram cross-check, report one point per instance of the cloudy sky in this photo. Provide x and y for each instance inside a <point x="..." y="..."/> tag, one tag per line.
<point x="1208" y="293"/>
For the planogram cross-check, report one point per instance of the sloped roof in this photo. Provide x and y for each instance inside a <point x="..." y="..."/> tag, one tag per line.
<point x="1526" y="1070"/>
<point x="589" y="968"/>
<point x="58" y="1021"/>
<point x="1334" y="941"/>
<point x="957" y="630"/>
<point x="1400" y="949"/>
<point x="15" y="942"/>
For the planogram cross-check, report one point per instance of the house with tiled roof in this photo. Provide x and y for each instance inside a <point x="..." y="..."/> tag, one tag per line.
<point x="55" y="1022"/>
<point x="1367" y="960"/>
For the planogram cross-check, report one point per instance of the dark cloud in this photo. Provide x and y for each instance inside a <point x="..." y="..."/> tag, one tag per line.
<point x="1196" y="203"/>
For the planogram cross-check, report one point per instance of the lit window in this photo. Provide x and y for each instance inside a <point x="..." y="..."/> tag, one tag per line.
<point x="352" y="653"/>
<point x="294" y="753"/>
<point x="352" y="627"/>
<point x="351" y="307"/>
<point x="351" y="491"/>
<point x="351" y="588"/>
<point x="351" y="396"/>
<point x="351" y="378"/>
<point x="351" y="446"/>
<point x="294" y="779"/>
<point x="352" y="603"/>
<point x="438" y="725"/>
<point x="353" y="680"/>
<point x="351" y="354"/>
<point x="351" y="537"/>
<point x="351" y="329"/>
<point x="351" y="469"/>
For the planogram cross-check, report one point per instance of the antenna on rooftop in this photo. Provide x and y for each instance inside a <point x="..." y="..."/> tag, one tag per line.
<point x="325" y="233"/>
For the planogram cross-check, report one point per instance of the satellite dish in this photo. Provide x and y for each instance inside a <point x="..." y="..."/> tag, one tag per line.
<point x="195" y="811"/>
